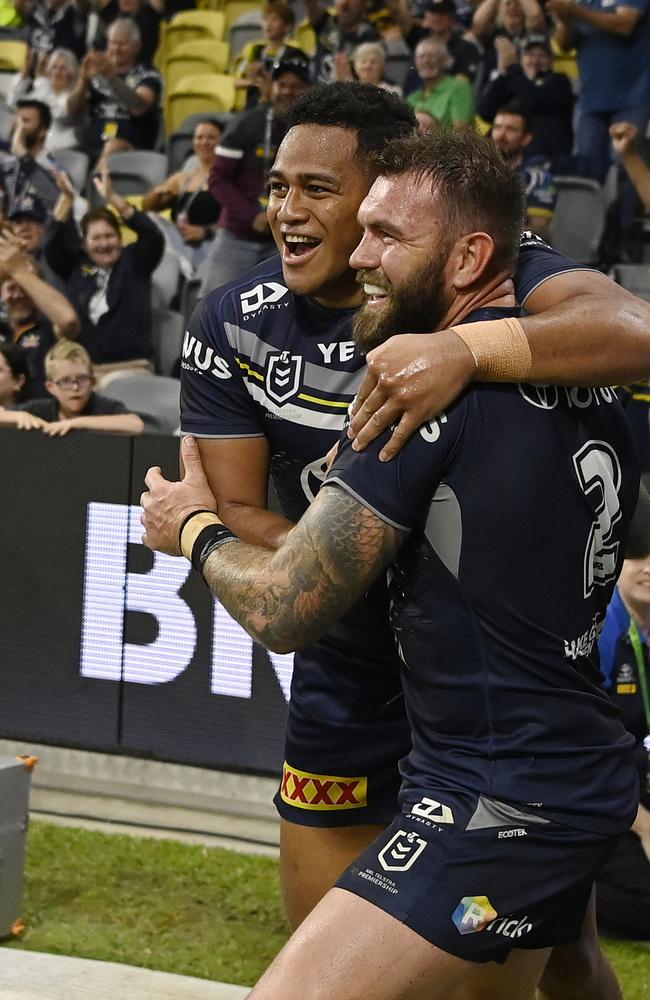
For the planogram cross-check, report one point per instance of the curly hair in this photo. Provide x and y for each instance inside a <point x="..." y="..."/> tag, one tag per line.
<point x="376" y="115"/>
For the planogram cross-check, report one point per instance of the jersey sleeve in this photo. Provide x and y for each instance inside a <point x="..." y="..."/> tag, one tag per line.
<point x="214" y="399"/>
<point x="399" y="491"/>
<point x="537" y="263"/>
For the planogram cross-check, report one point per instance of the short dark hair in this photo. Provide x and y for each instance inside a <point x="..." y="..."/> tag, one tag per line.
<point x="16" y="358"/>
<point x="43" y="109"/>
<point x="376" y="115"/>
<point x="474" y="186"/>
<point x="99" y="215"/>
<point x="518" y="109"/>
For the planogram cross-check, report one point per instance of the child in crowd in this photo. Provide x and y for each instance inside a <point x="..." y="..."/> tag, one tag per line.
<point x="74" y="405"/>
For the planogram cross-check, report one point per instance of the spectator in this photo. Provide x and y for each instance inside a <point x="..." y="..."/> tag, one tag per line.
<point x="38" y="314"/>
<point x="120" y="94"/>
<point x="194" y="212"/>
<point x="277" y="24"/>
<point x="49" y="79"/>
<point x="623" y="136"/>
<point x="512" y="134"/>
<point x="509" y="19"/>
<point x="623" y="887"/>
<point x="55" y="24"/>
<point x="73" y="406"/>
<point x="147" y="14"/>
<point x="547" y="96"/>
<point x="238" y="178"/>
<point x="27" y="220"/>
<point x="337" y="33"/>
<point x="448" y="99"/>
<point x="26" y="169"/>
<point x="109" y="285"/>
<point x="366" y="65"/>
<point x="613" y="59"/>
<point x="14" y="375"/>
<point x="440" y="21"/>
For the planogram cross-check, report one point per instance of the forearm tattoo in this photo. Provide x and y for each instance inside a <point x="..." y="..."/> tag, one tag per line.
<point x="288" y="598"/>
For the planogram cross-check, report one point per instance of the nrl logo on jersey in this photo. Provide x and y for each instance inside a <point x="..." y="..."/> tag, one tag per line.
<point x="283" y="373"/>
<point x="263" y="296"/>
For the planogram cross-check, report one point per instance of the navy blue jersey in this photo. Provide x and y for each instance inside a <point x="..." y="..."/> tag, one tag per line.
<point x="516" y="502"/>
<point x="258" y="360"/>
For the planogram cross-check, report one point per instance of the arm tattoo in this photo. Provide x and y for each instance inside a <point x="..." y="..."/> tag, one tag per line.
<point x="289" y="598"/>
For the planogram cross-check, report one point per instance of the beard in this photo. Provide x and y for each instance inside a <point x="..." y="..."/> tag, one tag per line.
<point x="418" y="306"/>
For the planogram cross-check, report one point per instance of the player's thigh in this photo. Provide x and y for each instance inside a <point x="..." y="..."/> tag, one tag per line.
<point x="312" y="858"/>
<point x="349" y="949"/>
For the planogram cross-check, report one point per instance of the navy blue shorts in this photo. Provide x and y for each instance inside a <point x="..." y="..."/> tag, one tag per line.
<point x="478" y="878"/>
<point x="346" y="733"/>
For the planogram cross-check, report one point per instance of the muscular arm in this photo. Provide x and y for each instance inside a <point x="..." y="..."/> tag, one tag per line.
<point x="586" y="330"/>
<point x="237" y="470"/>
<point x="289" y="598"/>
<point x="621" y="21"/>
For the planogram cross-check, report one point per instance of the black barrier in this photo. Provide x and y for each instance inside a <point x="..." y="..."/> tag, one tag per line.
<point x="105" y="645"/>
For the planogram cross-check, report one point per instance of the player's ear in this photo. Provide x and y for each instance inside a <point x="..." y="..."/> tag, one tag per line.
<point x="471" y="256"/>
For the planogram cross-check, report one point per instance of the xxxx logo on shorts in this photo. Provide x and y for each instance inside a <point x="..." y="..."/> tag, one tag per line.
<point x="322" y="791"/>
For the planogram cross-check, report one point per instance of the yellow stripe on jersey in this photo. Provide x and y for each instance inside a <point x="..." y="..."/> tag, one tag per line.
<point x="337" y="404"/>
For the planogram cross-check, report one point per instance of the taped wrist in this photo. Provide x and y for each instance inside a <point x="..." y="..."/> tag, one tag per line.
<point x="500" y="349"/>
<point x="201" y="534"/>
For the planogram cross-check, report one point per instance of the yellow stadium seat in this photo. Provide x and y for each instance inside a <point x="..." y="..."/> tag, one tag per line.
<point x="12" y="55"/>
<point x="191" y="25"/>
<point x="204" y="93"/>
<point x="304" y="37"/>
<point x="195" y="58"/>
<point x="232" y="9"/>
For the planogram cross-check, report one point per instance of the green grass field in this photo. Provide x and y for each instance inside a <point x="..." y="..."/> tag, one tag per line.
<point x="193" y="910"/>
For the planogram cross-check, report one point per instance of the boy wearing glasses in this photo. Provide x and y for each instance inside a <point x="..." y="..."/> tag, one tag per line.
<point x="74" y="405"/>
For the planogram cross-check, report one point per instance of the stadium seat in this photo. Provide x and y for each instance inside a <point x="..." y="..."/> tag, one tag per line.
<point x="579" y="218"/>
<point x="12" y="55"/>
<point x="165" y="279"/>
<point x="207" y="92"/>
<point x="304" y="37"/>
<point x="155" y="397"/>
<point x="634" y="277"/>
<point x="192" y="25"/>
<point x="195" y="57"/>
<point x="168" y="331"/>
<point x="245" y="29"/>
<point x="76" y="164"/>
<point x="233" y="9"/>
<point x="190" y="297"/>
<point x="179" y="144"/>
<point x="6" y="118"/>
<point x="137" y="171"/>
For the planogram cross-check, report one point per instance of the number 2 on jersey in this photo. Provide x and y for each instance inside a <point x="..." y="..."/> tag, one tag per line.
<point x="599" y="474"/>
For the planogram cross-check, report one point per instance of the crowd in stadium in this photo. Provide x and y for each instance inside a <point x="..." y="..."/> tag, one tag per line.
<point x="206" y="88"/>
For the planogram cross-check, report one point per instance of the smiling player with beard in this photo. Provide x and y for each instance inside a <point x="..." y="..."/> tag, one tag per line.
<point x="496" y="705"/>
<point x="269" y="370"/>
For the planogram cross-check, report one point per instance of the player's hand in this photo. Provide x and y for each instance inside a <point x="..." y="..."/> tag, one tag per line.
<point x="166" y="505"/>
<point x="623" y="135"/>
<point x="410" y="379"/>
